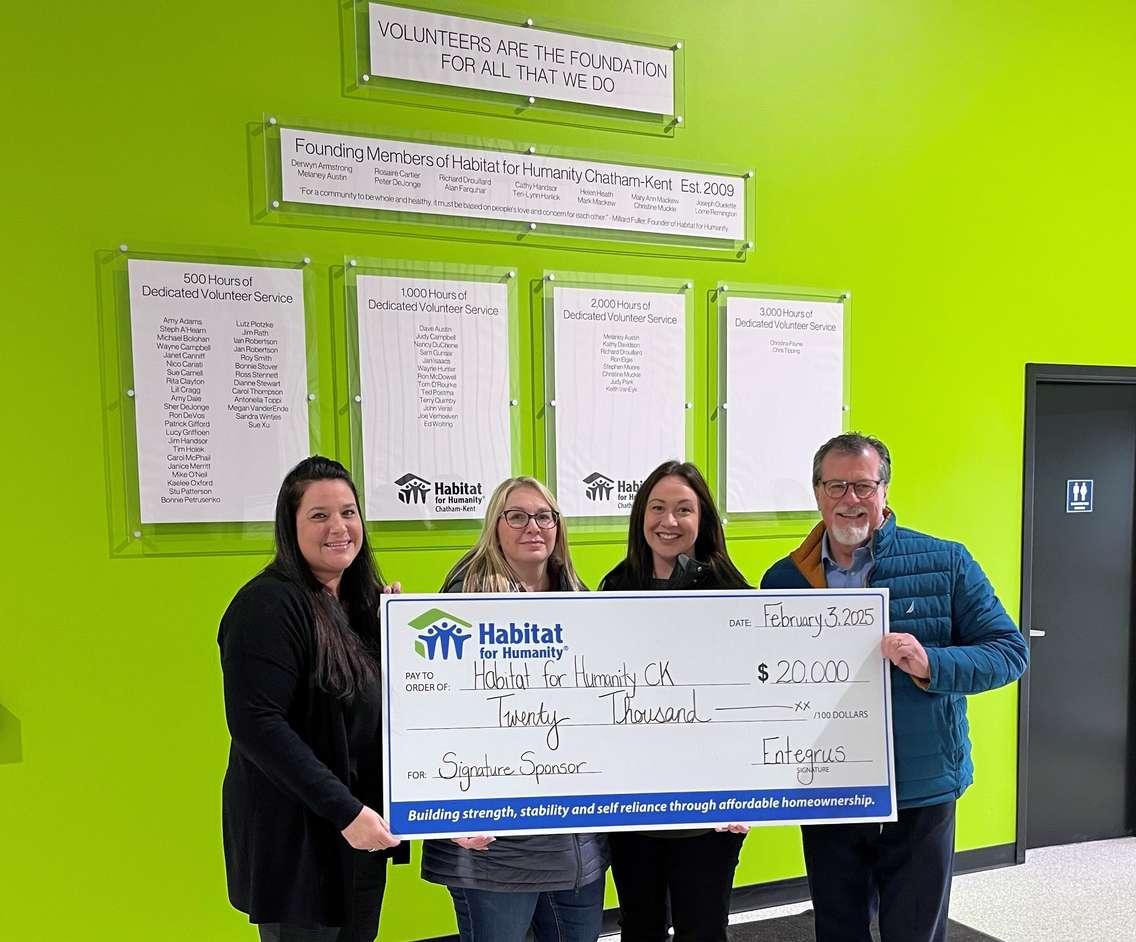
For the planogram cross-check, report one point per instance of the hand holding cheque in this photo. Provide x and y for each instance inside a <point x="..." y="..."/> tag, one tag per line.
<point x="906" y="653"/>
<point x="517" y="714"/>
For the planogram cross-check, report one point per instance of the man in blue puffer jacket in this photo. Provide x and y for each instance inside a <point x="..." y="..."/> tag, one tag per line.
<point x="950" y="637"/>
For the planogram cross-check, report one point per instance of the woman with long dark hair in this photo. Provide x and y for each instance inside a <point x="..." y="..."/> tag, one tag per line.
<point x="549" y="884"/>
<point x="675" y="541"/>
<point x="305" y="849"/>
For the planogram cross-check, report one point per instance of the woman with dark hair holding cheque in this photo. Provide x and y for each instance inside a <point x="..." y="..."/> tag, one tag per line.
<point x="551" y="884"/>
<point x="675" y="541"/>
<point x="305" y="849"/>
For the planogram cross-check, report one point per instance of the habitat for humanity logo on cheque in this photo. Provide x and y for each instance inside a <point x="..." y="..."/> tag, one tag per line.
<point x="442" y="636"/>
<point x="601" y="489"/>
<point x="440" y="497"/>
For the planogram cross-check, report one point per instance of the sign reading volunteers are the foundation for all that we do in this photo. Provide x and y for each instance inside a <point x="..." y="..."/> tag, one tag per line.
<point x="434" y="380"/>
<point x="620" y="385"/>
<point x="220" y="387"/>
<point x="321" y="168"/>
<point x="425" y="46"/>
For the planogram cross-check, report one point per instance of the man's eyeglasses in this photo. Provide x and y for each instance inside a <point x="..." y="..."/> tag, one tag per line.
<point x="518" y="519"/>
<point x="862" y="489"/>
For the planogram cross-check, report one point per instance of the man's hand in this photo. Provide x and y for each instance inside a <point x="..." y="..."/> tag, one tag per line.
<point x="906" y="653"/>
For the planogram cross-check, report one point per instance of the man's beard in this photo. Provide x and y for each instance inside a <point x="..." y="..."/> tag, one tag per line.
<point x="852" y="533"/>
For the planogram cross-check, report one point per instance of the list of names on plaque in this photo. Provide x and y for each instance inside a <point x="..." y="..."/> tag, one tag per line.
<point x="437" y="371"/>
<point x="220" y="382"/>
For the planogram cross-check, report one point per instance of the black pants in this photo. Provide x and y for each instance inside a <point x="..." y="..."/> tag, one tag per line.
<point x="363" y="921"/>
<point x="901" y="869"/>
<point x="697" y="873"/>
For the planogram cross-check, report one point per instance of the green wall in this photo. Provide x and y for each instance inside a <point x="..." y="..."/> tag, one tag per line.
<point x="965" y="168"/>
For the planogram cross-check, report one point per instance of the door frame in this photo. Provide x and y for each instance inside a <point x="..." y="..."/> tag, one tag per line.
<point x="1037" y="373"/>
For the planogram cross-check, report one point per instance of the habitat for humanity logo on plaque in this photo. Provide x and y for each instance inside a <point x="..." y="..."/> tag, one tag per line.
<point x="600" y="489"/>
<point x="440" y="497"/>
<point x="440" y="635"/>
<point x="412" y="489"/>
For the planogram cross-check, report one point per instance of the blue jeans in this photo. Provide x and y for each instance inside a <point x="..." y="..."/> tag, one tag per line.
<point x="558" y="916"/>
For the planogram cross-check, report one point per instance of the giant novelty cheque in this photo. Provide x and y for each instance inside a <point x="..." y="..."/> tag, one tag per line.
<point x="543" y="712"/>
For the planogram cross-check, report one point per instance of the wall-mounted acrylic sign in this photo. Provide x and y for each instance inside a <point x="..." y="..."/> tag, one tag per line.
<point x="524" y="66"/>
<point x="783" y="392"/>
<point x="617" y="377"/>
<point x="220" y="387"/>
<point x="435" y="387"/>
<point x="518" y="189"/>
<point x="437" y="48"/>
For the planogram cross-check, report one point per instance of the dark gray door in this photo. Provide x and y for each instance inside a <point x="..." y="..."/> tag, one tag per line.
<point x="1080" y="769"/>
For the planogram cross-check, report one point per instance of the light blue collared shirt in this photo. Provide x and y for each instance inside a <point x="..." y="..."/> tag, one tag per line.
<point x="855" y="576"/>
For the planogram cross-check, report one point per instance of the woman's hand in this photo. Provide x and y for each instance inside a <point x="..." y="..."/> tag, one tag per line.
<point x="481" y="842"/>
<point x="395" y="588"/>
<point x="733" y="828"/>
<point x="369" y="832"/>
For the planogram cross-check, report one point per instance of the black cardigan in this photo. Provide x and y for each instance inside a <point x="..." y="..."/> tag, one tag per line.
<point x="284" y="799"/>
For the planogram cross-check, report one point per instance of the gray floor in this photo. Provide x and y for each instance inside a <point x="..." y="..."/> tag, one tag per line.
<point x="1076" y="893"/>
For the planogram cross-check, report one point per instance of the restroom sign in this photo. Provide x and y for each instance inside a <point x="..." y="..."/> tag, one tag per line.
<point x="1079" y="496"/>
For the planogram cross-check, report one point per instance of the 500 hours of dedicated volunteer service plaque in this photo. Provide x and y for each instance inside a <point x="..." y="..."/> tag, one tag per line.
<point x="536" y="713"/>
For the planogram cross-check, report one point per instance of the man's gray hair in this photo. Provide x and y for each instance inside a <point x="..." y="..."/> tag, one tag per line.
<point x="853" y="443"/>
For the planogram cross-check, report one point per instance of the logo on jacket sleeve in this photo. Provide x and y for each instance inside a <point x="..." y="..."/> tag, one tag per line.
<point x="440" y="634"/>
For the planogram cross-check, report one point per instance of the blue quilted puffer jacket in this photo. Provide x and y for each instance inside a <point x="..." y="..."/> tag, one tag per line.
<point x="940" y="595"/>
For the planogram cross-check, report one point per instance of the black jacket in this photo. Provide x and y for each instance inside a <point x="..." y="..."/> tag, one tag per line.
<point x="284" y="799"/>
<point x="687" y="574"/>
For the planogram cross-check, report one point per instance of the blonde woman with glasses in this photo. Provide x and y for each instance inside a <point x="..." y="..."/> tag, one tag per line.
<point x="551" y="884"/>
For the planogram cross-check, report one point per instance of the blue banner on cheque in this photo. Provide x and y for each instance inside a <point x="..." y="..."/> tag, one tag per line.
<point x="537" y="713"/>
